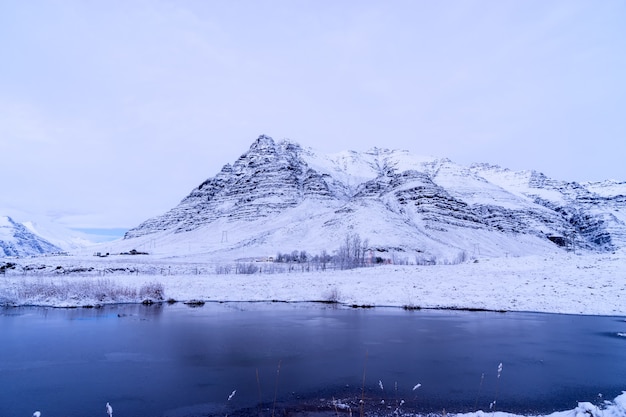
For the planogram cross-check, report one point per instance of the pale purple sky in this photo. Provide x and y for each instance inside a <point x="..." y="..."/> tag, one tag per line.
<point x="112" y="111"/>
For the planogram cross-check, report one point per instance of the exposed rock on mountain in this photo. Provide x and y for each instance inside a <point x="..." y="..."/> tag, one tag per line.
<point x="279" y="196"/>
<point x="17" y="240"/>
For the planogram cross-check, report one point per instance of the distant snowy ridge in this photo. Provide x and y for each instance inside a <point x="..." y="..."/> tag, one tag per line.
<point x="279" y="196"/>
<point x="58" y="235"/>
<point x="17" y="240"/>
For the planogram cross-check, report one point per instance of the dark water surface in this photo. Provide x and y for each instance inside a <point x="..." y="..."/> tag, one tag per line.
<point x="174" y="360"/>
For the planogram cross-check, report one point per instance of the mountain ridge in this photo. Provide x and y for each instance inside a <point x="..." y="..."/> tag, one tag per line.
<point x="394" y="199"/>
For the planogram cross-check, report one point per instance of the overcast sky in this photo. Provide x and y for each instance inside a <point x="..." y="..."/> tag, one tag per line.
<point x="112" y="111"/>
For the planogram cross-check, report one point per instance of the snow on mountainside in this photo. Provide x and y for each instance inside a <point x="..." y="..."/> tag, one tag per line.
<point x="280" y="197"/>
<point x="17" y="240"/>
<point x="60" y="236"/>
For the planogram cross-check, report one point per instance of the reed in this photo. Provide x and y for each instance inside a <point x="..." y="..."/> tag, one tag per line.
<point x="258" y="385"/>
<point x="480" y="387"/>
<point x="230" y="397"/>
<point x="362" y="403"/>
<point x="379" y="409"/>
<point x="492" y="406"/>
<point x="276" y="387"/>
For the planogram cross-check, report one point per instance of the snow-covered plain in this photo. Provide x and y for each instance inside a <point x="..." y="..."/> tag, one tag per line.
<point x="558" y="282"/>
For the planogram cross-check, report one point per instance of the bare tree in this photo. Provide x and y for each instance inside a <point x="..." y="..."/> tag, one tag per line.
<point x="352" y="253"/>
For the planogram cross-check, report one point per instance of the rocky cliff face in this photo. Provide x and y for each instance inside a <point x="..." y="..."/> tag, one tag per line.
<point x="585" y="217"/>
<point x="394" y="199"/>
<point x="17" y="240"/>
<point x="266" y="180"/>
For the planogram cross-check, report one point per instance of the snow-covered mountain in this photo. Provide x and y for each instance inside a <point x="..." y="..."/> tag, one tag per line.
<point x="279" y="197"/>
<point x="58" y="235"/>
<point x="17" y="240"/>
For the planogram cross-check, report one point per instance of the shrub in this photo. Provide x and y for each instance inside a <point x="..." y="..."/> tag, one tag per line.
<point x="222" y="269"/>
<point x="332" y="296"/>
<point x="152" y="291"/>
<point x="246" y="269"/>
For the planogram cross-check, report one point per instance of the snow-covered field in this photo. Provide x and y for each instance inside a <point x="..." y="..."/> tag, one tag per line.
<point x="559" y="282"/>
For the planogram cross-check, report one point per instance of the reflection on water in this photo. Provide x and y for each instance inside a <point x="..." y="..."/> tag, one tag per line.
<point x="176" y="360"/>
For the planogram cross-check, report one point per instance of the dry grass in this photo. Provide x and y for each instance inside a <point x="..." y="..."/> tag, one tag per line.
<point x="42" y="292"/>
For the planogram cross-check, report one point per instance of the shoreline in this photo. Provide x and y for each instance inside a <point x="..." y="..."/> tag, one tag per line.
<point x="313" y="303"/>
<point x="590" y="284"/>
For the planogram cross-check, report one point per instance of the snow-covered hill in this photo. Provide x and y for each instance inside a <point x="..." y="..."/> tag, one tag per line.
<point x="18" y="236"/>
<point x="17" y="240"/>
<point x="280" y="197"/>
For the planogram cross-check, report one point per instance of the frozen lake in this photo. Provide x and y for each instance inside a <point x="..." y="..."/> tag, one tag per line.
<point x="175" y="360"/>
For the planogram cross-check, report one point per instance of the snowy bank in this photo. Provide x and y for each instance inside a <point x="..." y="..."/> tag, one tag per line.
<point x="615" y="408"/>
<point x="556" y="283"/>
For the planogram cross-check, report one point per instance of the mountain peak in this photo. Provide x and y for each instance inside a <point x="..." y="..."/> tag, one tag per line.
<point x="263" y="142"/>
